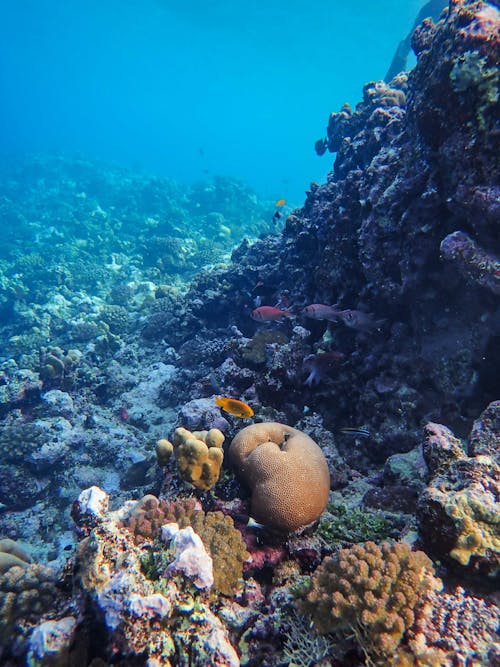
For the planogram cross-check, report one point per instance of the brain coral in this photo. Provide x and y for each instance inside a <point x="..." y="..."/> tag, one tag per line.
<point x="372" y="590"/>
<point x="286" y="471"/>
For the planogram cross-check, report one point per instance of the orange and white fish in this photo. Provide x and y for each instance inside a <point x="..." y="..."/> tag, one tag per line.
<point x="280" y="202"/>
<point x="234" y="407"/>
<point x="320" y="311"/>
<point x="270" y="314"/>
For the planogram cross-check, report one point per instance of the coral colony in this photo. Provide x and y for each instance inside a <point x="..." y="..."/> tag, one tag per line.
<point x="284" y="451"/>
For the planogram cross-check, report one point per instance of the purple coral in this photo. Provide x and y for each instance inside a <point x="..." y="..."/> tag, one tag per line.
<point x="473" y="262"/>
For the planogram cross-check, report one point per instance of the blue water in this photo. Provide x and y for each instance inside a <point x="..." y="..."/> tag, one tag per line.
<point x="191" y="88"/>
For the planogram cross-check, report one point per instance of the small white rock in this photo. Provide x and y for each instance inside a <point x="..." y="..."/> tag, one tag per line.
<point x="52" y="638"/>
<point x="94" y="501"/>
<point x="191" y="557"/>
<point x="150" y="606"/>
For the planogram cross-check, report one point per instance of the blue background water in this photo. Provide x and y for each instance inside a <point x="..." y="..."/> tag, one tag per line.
<point x="190" y="88"/>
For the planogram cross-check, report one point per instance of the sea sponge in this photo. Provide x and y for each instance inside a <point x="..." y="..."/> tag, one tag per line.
<point x="286" y="471"/>
<point x="199" y="455"/>
<point x="371" y="590"/>
<point x="221" y="539"/>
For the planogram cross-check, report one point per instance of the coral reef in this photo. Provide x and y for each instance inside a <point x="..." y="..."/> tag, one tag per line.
<point x="199" y="455"/>
<point x="28" y="593"/>
<point x="458" y="512"/>
<point x="12" y="554"/>
<point x="451" y="626"/>
<point x="126" y="307"/>
<point x="221" y="539"/>
<point x="161" y="620"/>
<point x="370" y="590"/>
<point x="472" y="261"/>
<point x="286" y="471"/>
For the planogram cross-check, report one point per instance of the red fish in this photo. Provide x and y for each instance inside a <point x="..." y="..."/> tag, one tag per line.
<point x="320" y="311"/>
<point x="270" y="314"/>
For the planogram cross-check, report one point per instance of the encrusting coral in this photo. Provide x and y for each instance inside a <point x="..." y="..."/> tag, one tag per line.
<point x="199" y="455"/>
<point x="286" y="471"/>
<point x="141" y="620"/>
<point x="371" y="590"/>
<point x="222" y="540"/>
<point x="458" y="512"/>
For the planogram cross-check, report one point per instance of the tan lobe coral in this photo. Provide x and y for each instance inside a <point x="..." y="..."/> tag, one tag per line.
<point x="286" y="471"/>
<point x="199" y="455"/>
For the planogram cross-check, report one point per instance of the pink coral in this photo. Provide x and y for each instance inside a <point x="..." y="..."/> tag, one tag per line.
<point x="460" y="626"/>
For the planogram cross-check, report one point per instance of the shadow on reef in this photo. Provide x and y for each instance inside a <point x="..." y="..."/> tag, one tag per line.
<point x="371" y="324"/>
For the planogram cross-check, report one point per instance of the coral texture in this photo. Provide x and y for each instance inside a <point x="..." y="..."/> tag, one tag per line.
<point x="474" y="263"/>
<point x="26" y="594"/>
<point x="221" y="539"/>
<point x="286" y="471"/>
<point x="453" y="626"/>
<point x="143" y="618"/>
<point x="199" y="455"/>
<point x="458" y="513"/>
<point x="372" y="590"/>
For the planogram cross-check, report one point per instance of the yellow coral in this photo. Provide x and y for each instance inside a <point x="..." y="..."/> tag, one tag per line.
<point x="222" y="540"/>
<point x="379" y="606"/>
<point x="470" y="502"/>
<point x="199" y="455"/>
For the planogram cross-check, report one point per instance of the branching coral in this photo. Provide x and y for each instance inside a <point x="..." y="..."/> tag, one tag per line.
<point x="370" y="590"/>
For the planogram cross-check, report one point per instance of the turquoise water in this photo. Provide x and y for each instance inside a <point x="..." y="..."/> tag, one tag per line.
<point x="192" y="88"/>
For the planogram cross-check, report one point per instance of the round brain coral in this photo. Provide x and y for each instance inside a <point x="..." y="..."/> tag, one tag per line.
<point x="286" y="471"/>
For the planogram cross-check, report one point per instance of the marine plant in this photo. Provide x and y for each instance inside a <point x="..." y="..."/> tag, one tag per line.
<point x="343" y="524"/>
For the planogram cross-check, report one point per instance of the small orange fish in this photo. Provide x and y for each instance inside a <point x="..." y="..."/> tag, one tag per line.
<point x="234" y="407"/>
<point x="280" y="202"/>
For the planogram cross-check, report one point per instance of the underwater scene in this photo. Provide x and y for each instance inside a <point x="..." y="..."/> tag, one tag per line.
<point x="250" y="333"/>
